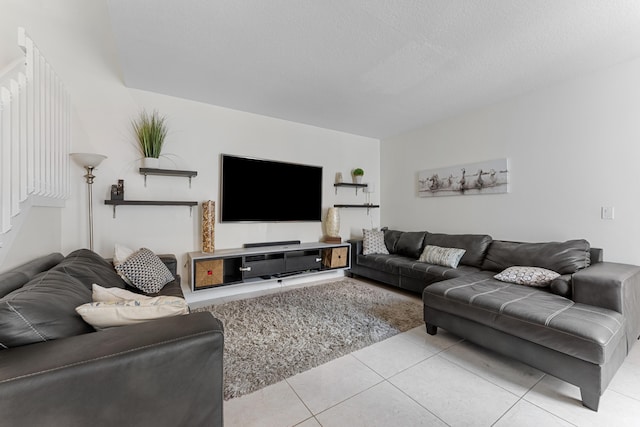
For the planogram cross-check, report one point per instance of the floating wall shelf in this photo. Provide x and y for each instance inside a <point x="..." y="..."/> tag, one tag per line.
<point x="167" y="172"/>
<point x="366" y="206"/>
<point x="116" y="203"/>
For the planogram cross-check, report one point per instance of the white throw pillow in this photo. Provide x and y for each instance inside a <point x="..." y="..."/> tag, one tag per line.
<point x="101" y="294"/>
<point x="529" y="276"/>
<point x="373" y="243"/>
<point x="108" y="314"/>
<point x="146" y="271"/>
<point x="121" y="253"/>
<point x="447" y="257"/>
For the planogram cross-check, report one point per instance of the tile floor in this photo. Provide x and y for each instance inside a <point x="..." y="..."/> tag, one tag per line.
<point x="414" y="379"/>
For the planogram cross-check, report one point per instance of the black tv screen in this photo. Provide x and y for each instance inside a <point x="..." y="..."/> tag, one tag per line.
<point x="269" y="191"/>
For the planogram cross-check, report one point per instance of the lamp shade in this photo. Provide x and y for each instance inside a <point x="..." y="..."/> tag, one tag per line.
<point x="90" y="160"/>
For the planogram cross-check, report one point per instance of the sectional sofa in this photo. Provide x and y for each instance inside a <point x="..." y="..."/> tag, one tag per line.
<point x="55" y="369"/>
<point x="578" y="327"/>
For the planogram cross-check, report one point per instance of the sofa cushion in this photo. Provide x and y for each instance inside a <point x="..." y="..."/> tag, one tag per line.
<point x="373" y="242"/>
<point x="385" y="263"/>
<point x="15" y="278"/>
<point x="528" y="276"/>
<point x="146" y="271"/>
<point x="391" y="239"/>
<point x="583" y="331"/>
<point x="89" y="267"/>
<point x="43" y="309"/>
<point x="410" y="244"/>
<point x="561" y="257"/>
<point x="431" y="273"/>
<point x="447" y="257"/>
<point x="475" y="245"/>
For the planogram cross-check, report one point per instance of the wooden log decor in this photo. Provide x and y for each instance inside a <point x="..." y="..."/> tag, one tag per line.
<point x="208" y="225"/>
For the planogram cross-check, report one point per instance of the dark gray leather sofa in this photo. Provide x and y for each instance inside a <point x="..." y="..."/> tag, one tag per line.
<point x="166" y="372"/>
<point x="580" y="329"/>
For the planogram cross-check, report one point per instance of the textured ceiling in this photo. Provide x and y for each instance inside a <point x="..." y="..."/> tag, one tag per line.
<point x="369" y="67"/>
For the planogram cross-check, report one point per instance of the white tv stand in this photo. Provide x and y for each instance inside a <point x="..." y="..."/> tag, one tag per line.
<point x="248" y="265"/>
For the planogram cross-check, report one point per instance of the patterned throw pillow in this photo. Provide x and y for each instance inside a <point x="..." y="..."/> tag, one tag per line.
<point x="107" y="314"/>
<point x="374" y="243"/>
<point x="529" y="276"/>
<point x="146" y="271"/>
<point x="448" y="257"/>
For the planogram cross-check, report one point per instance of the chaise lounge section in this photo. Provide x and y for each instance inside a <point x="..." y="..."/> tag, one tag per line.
<point x="579" y="328"/>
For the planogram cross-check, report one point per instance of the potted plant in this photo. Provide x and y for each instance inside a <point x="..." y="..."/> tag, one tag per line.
<point x="357" y="175"/>
<point x="151" y="130"/>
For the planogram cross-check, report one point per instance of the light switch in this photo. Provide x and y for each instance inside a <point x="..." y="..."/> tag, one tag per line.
<point x="606" y="212"/>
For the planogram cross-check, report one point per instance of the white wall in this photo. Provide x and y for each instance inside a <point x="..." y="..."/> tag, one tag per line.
<point x="75" y="36"/>
<point x="573" y="148"/>
<point x="199" y="134"/>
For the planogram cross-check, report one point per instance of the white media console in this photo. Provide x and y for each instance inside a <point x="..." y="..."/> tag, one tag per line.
<point x="244" y="265"/>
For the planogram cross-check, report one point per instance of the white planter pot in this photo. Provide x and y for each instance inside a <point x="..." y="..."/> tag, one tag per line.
<point x="151" y="162"/>
<point x="357" y="179"/>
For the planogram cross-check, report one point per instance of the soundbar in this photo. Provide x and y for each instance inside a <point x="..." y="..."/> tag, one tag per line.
<point x="281" y="243"/>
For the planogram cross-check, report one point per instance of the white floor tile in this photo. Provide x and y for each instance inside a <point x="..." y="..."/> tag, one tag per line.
<point x="393" y="355"/>
<point x="563" y="400"/>
<point x="627" y="380"/>
<point x="455" y="395"/>
<point x="333" y="382"/>
<point x="525" y="414"/>
<point x="380" y="406"/>
<point x="508" y="373"/>
<point x="435" y="343"/>
<point x="273" y="406"/>
<point x="634" y="355"/>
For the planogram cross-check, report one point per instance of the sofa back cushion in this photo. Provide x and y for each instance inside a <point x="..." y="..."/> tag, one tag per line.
<point x="42" y="310"/>
<point x="410" y="244"/>
<point x="475" y="245"/>
<point x="18" y="276"/>
<point x="89" y="268"/>
<point x="391" y="239"/>
<point x="561" y="257"/>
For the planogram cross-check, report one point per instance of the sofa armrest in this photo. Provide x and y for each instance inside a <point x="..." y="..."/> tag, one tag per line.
<point x="356" y="249"/>
<point x="614" y="286"/>
<point x="165" y="372"/>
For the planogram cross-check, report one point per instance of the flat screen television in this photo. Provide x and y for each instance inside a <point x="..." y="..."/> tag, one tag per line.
<point x="260" y="190"/>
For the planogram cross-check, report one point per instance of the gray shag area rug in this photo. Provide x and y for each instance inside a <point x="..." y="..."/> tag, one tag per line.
<point x="273" y="337"/>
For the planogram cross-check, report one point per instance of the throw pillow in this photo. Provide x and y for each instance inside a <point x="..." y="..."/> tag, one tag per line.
<point x="121" y="253"/>
<point x="374" y="243"/>
<point x="101" y="294"/>
<point x="108" y="314"/>
<point x="448" y="257"/>
<point x="146" y="271"/>
<point x="529" y="276"/>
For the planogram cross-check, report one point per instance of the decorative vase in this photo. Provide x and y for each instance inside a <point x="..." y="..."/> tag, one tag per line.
<point x="357" y="179"/>
<point x="150" y="162"/>
<point x="332" y="222"/>
<point x="208" y="225"/>
<point x="338" y="177"/>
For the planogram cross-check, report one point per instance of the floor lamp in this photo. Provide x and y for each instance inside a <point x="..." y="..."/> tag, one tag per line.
<point x="89" y="161"/>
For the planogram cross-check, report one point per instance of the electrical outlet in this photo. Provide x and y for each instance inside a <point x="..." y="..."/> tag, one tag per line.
<point x="606" y="212"/>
